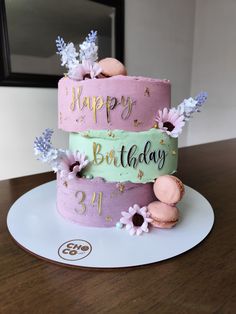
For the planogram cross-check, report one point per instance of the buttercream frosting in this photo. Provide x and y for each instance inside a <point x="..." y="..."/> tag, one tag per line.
<point x="118" y="155"/>
<point x="120" y="102"/>
<point x="97" y="203"/>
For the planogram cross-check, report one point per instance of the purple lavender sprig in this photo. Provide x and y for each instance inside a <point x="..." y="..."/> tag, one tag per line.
<point x="92" y="37"/>
<point x="201" y="98"/>
<point x="43" y="145"/>
<point x="191" y="105"/>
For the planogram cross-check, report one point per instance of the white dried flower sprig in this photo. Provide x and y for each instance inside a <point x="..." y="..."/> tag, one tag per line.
<point x="67" y="52"/>
<point x="86" y="65"/>
<point x="191" y="105"/>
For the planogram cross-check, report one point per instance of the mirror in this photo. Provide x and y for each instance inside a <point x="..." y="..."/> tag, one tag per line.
<point x="29" y="29"/>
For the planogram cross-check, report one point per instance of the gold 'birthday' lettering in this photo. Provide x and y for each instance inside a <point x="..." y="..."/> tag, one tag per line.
<point x="130" y="157"/>
<point x="97" y="157"/>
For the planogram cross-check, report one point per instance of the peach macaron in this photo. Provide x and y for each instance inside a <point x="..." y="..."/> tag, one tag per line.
<point x="168" y="189"/>
<point x="163" y="215"/>
<point x="112" y="67"/>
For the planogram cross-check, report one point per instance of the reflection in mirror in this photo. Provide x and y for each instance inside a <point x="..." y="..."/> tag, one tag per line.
<point x="33" y="27"/>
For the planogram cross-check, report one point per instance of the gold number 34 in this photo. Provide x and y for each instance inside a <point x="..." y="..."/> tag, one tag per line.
<point x="81" y="195"/>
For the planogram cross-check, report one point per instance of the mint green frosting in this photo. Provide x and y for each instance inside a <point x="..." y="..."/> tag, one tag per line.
<point x="127" y="156"/>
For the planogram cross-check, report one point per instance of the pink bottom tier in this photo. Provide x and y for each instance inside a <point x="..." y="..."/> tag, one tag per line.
<point x="97" y="203"/>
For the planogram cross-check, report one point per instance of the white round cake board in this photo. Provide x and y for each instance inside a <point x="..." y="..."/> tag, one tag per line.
<point x="35" y="224"/>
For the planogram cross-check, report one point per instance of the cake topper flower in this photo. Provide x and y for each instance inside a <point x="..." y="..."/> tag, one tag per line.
<point x="71" y="164"/>
<point x="136" y="220"/>
<point x="86" y="66"/>
<point x="68" y="164"/>
<point x="172" y="121"/>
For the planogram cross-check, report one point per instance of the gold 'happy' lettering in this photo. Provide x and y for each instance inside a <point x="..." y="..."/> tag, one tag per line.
<point x="96" y="103"/>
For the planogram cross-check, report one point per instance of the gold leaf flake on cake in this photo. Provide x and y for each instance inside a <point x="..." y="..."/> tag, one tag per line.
<point x="155" y="126"/>
<point x="65" y="184"/>
<point x="85" y="134"/>
<point x="110" y="133"/>
<point x="80" y="119"/>
<point x="162" y="142"/>
<point x="108" y="218"/>
<point x="137" y="123"/>
<point x="147" y="92"/>
<point x="121" y="187"/>
<point x="173" y="152"/>
<point x="140" y="174"/>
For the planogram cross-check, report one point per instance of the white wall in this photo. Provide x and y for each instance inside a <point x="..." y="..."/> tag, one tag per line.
<point x="214" y="70"/>
<point x="24" y="114"/>
<point x="159" y="43"/>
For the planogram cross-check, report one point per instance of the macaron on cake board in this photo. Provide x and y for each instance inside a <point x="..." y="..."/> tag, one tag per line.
<point x="163" y="215"/>
<point x="168" y="189"/>
<point x="123" y="147"/>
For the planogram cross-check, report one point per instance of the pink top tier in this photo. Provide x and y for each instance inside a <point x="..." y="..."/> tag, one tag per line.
<point x="119" y="102"/>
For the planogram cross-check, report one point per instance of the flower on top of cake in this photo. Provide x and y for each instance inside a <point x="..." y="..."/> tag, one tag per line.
<point x="83" y="64"/>
<point x="69" y="165"/>
<point x="171" y="121"/>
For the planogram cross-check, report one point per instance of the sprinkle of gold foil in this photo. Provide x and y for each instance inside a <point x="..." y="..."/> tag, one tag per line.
<point x="65" y="184"/>
<point x="173" y="152"/>
<point x="80" y="119"/>
<point x="121" y="187"/>
<point x="162" y="142"/>
<point x="147" y="92"/>
<point x="86" y="134"/>
<point x="137" y="123"/>
<point x="108" y="218"/>
<point x="155" y="126"/>
<point x="140" y="174"/>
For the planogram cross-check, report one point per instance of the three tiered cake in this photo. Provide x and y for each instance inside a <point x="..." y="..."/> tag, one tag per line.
<point x="122" y="136"/>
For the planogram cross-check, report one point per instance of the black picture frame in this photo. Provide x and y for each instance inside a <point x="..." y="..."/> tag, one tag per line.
<point x="9" y="78"/>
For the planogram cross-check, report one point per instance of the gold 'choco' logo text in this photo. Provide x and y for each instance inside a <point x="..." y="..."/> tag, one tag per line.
<point x="74" y="250"/>
<point x="96" y="103"/>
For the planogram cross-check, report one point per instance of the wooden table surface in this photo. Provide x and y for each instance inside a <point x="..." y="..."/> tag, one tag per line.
<point x="202" y="280"/>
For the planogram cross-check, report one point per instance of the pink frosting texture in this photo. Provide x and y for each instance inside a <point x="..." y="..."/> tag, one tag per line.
<point x="119" y="102"/>
<point x="97" y="203"/>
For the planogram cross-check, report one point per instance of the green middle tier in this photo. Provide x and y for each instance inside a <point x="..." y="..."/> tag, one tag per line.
<point x="127" y="156"/>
